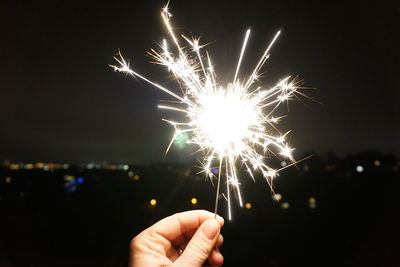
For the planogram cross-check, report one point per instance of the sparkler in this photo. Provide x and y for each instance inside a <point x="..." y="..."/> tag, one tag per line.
<point x="232" y="125"/>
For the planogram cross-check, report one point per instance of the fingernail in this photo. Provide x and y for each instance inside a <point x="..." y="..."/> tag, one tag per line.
<point x="211" y="229"/>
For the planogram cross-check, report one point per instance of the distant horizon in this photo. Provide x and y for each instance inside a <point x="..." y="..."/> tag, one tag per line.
<point x="192" y="159"/>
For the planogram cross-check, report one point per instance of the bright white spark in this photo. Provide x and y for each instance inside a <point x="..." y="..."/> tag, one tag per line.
<point x="233" y="124"/>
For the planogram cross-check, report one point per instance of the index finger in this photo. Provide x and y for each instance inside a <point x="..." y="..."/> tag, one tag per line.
<point x="176" y="225"/>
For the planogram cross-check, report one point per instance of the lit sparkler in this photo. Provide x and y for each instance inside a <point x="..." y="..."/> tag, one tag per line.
<point x="232" y="125"/>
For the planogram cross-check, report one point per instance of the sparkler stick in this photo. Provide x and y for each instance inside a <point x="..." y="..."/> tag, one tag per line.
<point x="218" y="186"/>
<point x="230" y="124"/>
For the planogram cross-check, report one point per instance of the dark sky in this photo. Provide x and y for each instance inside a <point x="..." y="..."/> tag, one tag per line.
<point x="59" y="100"/>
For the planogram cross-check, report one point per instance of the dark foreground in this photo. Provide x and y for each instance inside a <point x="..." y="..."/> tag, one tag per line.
<point x="331" y="213"/>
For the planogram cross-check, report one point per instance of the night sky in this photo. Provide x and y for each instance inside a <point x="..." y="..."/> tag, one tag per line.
<point x="60" y="101"/>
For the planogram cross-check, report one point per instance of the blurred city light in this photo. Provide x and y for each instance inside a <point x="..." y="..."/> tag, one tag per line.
<point x="8" y="180"/>
<point x="28" y="166"/>
<point x="248" y="205"/>
<point x="285" y="205"/>
<point x="69" y="184"/>
<point x="193" y="201"/>
<point x="359" y="168"/>
<point x="14" y="167"/>
<point x="39" y="165"/>
<point x="153" y="202"/>
<point x="312" y="203"/>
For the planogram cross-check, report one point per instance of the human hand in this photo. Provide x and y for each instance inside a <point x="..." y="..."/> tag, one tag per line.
<point x="184" y="239"/>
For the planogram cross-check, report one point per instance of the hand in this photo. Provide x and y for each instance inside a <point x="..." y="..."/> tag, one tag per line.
<point x="184" y="239"/>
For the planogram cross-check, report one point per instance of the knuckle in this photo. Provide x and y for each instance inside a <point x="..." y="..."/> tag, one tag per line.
<point x="134" y="243"/>
<point x="137" y="242"/>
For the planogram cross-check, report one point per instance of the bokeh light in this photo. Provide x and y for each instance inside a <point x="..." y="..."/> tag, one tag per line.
<point x="28" y="166"/>
<point x="181" y="140"/>
<point x="312" y="203"/>
<point x="359" y="168"/>
<point x="153" y="202"/>
<point x="285" y="205"/>
<point x="193" y="201"/>
<point x="14" y="167"/>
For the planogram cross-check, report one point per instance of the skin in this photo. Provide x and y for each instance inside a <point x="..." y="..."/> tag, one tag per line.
<point x="184" y="239"/>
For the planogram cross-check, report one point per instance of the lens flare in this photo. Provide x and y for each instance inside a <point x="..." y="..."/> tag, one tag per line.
<point x="233" y="125"/>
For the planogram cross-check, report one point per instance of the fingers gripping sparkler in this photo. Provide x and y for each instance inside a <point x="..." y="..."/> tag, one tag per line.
<point x="232" y="125"/>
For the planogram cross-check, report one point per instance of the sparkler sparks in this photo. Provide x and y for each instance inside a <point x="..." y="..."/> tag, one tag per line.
<point x="232" y="125"/>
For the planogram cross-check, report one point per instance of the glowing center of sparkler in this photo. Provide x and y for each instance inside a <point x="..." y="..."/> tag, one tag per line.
<point x="225" y="120"/>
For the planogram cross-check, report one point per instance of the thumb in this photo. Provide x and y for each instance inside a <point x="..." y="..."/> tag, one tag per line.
<point x="201" y="245"/>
